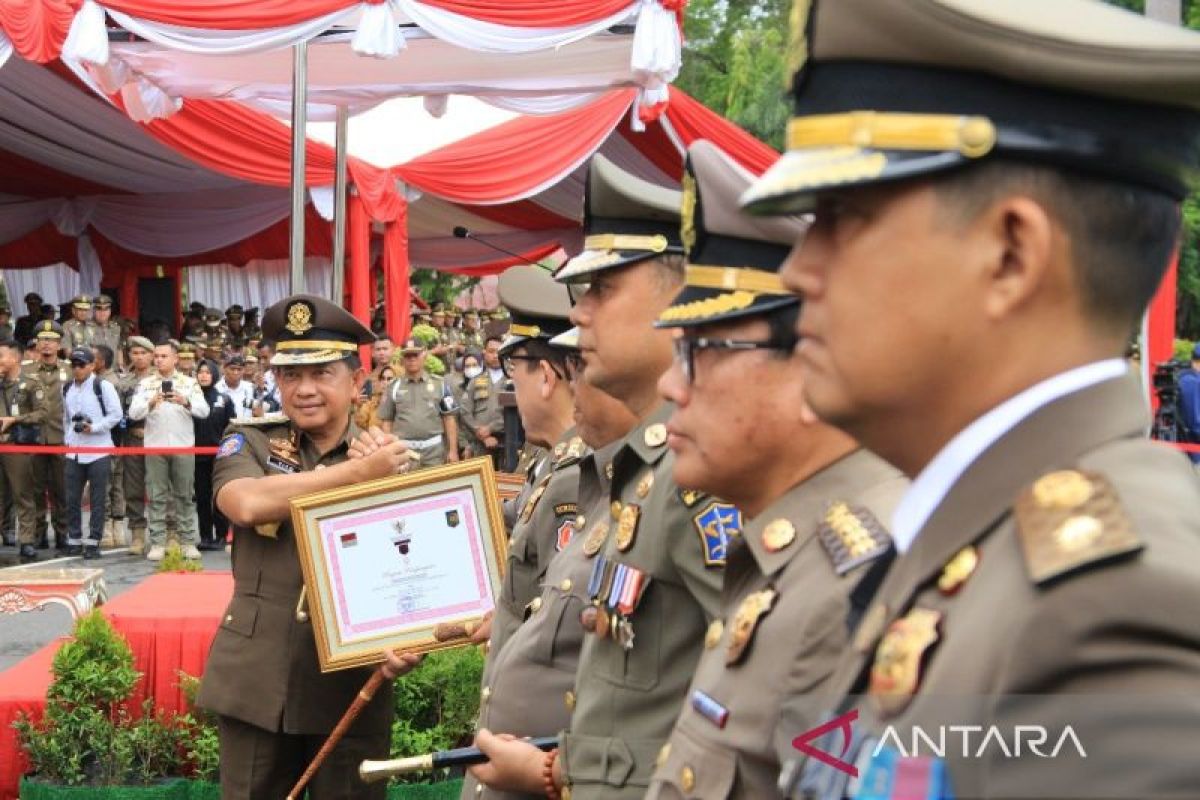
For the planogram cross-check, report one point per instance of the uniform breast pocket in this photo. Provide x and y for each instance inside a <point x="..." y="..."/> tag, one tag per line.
<point x="694" y="769"/>
<point x="559" y="634"/>
<point x="522" y="580"/>
<point x="638" y="667"/>
<point x="241" y="616"/>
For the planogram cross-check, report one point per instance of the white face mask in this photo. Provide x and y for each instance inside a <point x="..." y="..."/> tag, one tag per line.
<point x="473" y="372"/>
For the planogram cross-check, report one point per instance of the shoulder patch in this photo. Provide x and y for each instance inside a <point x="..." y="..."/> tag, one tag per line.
<point x="1069" y="520"/>
<point x="231" y="445"/>
<point x="717" y="524"/>
<point x="851" y="536"/>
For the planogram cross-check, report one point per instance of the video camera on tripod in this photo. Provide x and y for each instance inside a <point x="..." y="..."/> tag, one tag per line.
<point x="1168" y="424"/>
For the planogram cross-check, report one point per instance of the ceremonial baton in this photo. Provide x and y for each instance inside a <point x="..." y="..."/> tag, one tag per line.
<point x="371" y="771"/>
<point x="360" y="702"/>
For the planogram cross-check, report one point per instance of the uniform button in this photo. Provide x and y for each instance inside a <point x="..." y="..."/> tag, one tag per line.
<point x="485" y="693"/>
<point x="663" y="754"/>
<point x="535" y="604"/>
<point x="565" y="585"/>
<point x="687" y="779"/>
<point x="615" y="509"/>
<point x="479" y="788"/>
<point x="228" y="618"/>
<point x="580" y="521"/>
<point x="569" y="700"/>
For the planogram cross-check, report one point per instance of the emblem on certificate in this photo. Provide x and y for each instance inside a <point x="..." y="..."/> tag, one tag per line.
<point x="390" y="562"/>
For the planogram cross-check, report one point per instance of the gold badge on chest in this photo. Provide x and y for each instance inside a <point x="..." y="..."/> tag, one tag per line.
<point x="960" y="567"/>
<point x="595" y="538"/>
<point x="531" y="503"/>
<point x="627" y="526"/>
<point x="644" y="485"/>
<point x="753" y="608"/>
<point x="900" y="659"/>
<point x="286" y="449"/>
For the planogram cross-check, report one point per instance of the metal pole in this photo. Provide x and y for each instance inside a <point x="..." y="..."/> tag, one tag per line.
<point x="299" y="126"/>
<point x="339" y="207"/>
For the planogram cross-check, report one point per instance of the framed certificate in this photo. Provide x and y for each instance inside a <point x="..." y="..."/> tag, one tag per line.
<point x="409" y="562"/>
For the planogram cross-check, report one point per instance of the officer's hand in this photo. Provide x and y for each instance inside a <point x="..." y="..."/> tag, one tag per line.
<point x="399" y="662"/>
<point x="483" y="432"/>
<point x="387" y="460"/>
<point x="6" y="423"/>
<point x="484" y="631"/>
<point x="514" y="765"/>
<point x="369" y="441"/>
<point x="452" y="456"/>
<point x="491" y="441"/>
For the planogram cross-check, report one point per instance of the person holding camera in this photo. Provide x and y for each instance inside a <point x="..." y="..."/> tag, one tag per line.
<point x="168" y="400"/>
<point x="91" y="409"/>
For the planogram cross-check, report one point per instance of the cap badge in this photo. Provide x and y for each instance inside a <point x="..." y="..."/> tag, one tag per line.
<point x="687" y="213"/>
<point x="299" y="318"/>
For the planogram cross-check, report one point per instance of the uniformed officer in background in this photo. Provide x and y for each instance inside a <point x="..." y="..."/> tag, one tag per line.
<point x="814" y="506"/>
<point x="420" y="409"/>
<point x="79" y="331"/>
<point x="46" y="374"/>
<point x="985" y="173"/>
<point x="20" y="408"/>
<point x="274" y="706"/>
<point x="105" y="329"/>
<point x="654" y="585"/>
<point x="141" y="353"/>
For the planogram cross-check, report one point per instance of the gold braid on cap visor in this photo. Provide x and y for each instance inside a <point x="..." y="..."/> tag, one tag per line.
<point x="529" y="331"/>
<point x="743" y="287"/>
<point x="973" y="137"/>
<point x="316" y="344"/>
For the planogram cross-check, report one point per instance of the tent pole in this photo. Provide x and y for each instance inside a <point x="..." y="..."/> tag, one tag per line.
<point x="339" y="206"/>
<point x="299" y="139"/>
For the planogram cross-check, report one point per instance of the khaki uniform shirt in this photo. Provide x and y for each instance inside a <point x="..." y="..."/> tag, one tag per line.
<point x="481" y="405"/>
<point x="47" y="381"/>
<point x="543" y="526"/>
<point x="723" y="743"/>
<point x="627" y="699"/>
<point x="78" y="334"/>
<point x="127" y="384"/>
<point x="108" y="334"/>
<point x="262" y="668"/>
<point x="413" y="406"/>
<point x="531" y="689"/>
<point x="1060" y="573"/>
<point x="19" y="401"/>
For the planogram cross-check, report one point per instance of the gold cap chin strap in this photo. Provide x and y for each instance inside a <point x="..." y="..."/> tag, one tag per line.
<point x="529" y="331"/>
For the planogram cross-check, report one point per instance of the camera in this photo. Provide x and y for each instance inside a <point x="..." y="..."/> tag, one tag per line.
<point x="167" y="387"/>
<point x="1168" y="424"/>
<point x="78" y="421"/>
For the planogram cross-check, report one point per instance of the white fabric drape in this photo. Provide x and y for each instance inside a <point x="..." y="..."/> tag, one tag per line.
<point x="71" y="218"/>
<point x="225" y="42"/>
<point x="56" y="283"/>
<point x="473" y="34"/>
<point x="259" y="284"/>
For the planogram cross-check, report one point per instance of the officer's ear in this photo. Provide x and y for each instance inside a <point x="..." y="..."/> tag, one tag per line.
<point x="550" y="378"/>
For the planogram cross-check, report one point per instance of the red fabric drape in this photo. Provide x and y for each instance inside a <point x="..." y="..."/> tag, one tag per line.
<point x="230" y="14"/>
<point x="358" y="272"/>
<point x="533" y="13"/>
<point x="516" y="158"/>
<point x="691" y="121"/>
<point x="396" y="276"/>
<point x="37" y="28"/>
<point x="1160" y="324"/>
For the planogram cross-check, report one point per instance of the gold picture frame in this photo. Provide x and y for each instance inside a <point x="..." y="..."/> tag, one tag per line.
<point x="411" y="562"/>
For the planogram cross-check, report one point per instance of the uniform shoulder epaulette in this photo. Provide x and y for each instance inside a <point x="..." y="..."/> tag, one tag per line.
<point x="483" y="380"/>
<point x="1072" y="519"/>
<point x="264" y="421"/>
<point x="851" y="535"/>
<point x="570" y="454"/>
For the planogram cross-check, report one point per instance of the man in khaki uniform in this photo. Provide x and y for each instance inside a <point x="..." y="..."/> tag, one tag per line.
<point x="421" y="410"/>
<point x="654" y="586"/>
<point x="982" y="174"/>
<point x="20" y="408"/>
<point x="79" y="331"/>
<point x="811" y="501"/>
<point x="545" y="519"/>
<point x="133" y="467"/>
<point x="105" y="329"/>
<point x="275" y="707"/>
<point x="46" y="375"/>
<point x="531" y="687"/>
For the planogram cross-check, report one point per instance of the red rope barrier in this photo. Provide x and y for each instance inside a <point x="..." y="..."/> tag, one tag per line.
<point x="1187" y="448"/>
<point x="57" y="450"/>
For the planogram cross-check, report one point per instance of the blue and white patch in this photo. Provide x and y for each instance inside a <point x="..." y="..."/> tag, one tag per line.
<point x="231" y="445"/>
<point x="717" y="524"/>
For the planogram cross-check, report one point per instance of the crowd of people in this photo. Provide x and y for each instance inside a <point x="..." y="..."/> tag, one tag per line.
<point x="91" y="381"/>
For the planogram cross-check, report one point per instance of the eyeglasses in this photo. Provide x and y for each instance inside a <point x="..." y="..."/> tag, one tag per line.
<point x="686" y="347"/>
<point x="507" y="363"/>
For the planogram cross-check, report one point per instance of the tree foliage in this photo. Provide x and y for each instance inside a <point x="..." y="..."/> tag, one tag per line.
<point x="734" y="63"/>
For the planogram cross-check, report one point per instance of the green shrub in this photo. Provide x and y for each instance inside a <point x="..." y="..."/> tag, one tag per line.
<point x="1183" y="349"/>
<point x="174" y="561"/>
<point x="426" y="335"/>
<point x="437" y="704"/>
<point x="434" y="365"/>
<point x="87" y="735"/>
